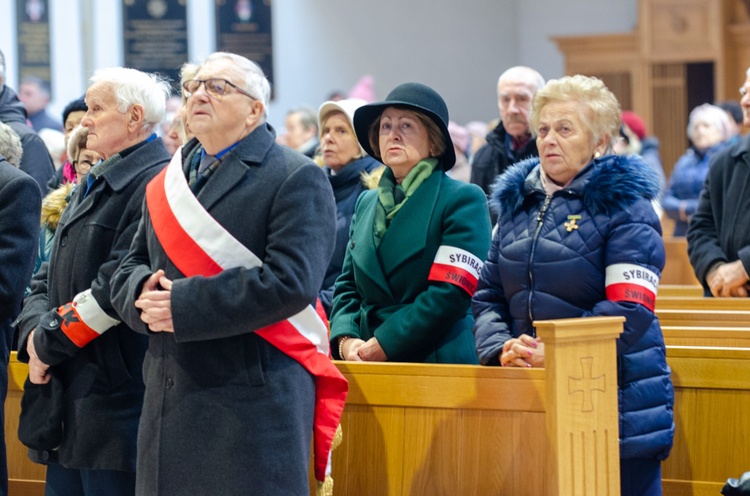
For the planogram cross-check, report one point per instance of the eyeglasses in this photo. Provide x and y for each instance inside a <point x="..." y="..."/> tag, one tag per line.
<point x="216" y="87"/>
<point x="85" y="165"/>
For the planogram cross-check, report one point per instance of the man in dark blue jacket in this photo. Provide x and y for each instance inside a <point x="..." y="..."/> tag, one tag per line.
<point x="36" y="161"/>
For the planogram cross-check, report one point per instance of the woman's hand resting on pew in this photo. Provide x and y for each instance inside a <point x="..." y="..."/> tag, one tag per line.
<point x="523" y="351"/>
<point x="357" y="350"/>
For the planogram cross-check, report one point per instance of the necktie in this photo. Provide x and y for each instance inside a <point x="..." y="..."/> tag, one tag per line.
<point x="207" y="166"/>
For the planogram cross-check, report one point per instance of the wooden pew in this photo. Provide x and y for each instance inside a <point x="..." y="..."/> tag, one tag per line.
<point x="672" y="290"/>
<point x="713" y="322"/>
<point x="416" y="429"/>
<point x="413" y="429"/>
<point x="702" y="318"/>
<point x="692" y="303"/>
<point x="712" y="416"/>
<point x="25" y="478"/>
<point x="420" y="429"/>
<point x="717" y="337"/>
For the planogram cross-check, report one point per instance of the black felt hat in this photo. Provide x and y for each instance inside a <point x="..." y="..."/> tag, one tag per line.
<point x="412" y="96"/>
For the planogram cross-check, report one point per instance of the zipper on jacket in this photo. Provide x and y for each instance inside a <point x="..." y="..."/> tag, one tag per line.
<point x="539" y="222"/>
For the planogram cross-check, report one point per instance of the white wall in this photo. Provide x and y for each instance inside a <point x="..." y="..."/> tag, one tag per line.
<point x="457" y="47"/>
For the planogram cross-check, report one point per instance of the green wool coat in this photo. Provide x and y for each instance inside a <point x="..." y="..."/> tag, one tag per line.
<point x="385" y="291"/>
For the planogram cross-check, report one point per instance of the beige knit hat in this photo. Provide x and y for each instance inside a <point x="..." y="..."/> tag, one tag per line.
<point x="347" y="106"/>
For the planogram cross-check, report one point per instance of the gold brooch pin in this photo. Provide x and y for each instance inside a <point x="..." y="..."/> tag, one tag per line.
<point x="571" y="224"/>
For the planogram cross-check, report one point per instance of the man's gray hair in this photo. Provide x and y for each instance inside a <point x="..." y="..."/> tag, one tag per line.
<point x="10" y="145"/>
<point x="523" y="74"/>
<point x="308" y="117"/>
<point x="131" y="87"/>
<point x="256" y="83"/>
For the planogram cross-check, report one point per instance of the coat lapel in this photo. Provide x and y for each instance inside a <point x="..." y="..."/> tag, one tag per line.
<point x="362" y="244"/>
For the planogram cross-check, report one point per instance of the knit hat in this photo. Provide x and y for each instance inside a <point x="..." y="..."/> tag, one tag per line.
<point x="411" y="96"/>
<point x="635" y="123"/>
<point x="74" y="106"/>
<point x="347" y="106"/>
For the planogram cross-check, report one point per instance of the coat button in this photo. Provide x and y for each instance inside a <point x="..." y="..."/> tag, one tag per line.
<point x="53" y="323"/>
<point x="64" y="240"/>
<point x="170" y="383"/>
<point x="351" y="245"/>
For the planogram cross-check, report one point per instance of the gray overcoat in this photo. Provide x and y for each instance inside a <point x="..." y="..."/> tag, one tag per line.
<point x="103" y="383"/>
<point x="225" y="412"/>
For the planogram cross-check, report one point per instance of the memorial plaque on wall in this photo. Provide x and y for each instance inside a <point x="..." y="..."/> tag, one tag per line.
<point x="244" y="27"/>
<point x="32" y="26"/>
<point x="156" y="35"/>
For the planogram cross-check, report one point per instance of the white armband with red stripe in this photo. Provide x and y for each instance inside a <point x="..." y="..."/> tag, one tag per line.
<point x="83" y="320"/>
<point x="631" y="282"/>
<point x="456" y="266"/>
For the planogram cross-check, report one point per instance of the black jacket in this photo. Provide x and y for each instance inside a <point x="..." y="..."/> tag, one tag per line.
<point x="493" y="158"/>
<point x="719" y="230"/>
<point x="36" y="161"/>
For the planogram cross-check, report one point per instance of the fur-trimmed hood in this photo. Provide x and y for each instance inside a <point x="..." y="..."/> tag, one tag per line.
<point x="607" y="185"/>
<point x="53" y="205"/>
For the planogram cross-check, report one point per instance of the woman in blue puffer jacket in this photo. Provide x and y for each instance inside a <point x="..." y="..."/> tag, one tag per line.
<point x="577" y="236"/>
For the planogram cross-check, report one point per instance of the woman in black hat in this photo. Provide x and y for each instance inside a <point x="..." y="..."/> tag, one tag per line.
<point x="417" y="242"/>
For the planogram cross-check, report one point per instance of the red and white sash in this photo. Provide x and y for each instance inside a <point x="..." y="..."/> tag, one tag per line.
<point x="198" y="245"/>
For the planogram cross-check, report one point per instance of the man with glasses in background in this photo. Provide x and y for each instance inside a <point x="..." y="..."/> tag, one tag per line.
<point x="223" y="276"/>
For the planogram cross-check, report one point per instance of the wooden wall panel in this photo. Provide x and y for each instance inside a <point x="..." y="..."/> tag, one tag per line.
<point x="670" y="116"/>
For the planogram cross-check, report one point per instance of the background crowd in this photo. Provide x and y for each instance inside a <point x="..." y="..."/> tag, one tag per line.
<point x="152" y="228"/>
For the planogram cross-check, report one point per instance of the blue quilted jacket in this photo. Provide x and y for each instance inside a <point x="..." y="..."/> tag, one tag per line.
<point x="548" y="260"/>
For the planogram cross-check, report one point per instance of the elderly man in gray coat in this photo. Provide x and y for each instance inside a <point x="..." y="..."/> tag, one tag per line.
<point x="68" y="322"/>
<point x="223" y="276"/>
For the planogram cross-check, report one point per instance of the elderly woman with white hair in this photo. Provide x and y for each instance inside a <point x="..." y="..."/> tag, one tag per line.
<point x="577" y="237"/>
<point x="350" y="170"/>
<point x="68" y="329"/>
<point x="709" y="130"/>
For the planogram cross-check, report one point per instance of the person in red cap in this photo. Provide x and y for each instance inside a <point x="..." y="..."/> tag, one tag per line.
<point x="649" y="144"/>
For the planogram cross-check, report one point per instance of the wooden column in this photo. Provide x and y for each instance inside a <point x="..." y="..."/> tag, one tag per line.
<point x="581" y="411"/>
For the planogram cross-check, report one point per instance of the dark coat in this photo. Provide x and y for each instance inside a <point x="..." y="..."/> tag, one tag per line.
<point x="720" y="228"/>
<point x="384" y="291"/>
<point x="103" y="382"/>
<point x="347" y="186"/>
<point x="539" y="268"/>
<point x="35" y="161"/>
<point x="495" y="157"/>
<point x="685" y="185"/>
<point x="225" y="412"/>
<point x="20" y="208"/>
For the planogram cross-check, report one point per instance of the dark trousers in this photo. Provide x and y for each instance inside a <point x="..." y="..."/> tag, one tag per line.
<point x="63" y="481"/>
<point x="640" y="477"/>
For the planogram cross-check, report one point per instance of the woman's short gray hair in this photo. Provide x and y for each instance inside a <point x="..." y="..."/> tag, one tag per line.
<point x="10" y="145"/>
<point x="256" y="83"/>
<point x="599" y="108"/>
<point x="711" y="115"/>
<point x="133" y="87"/>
